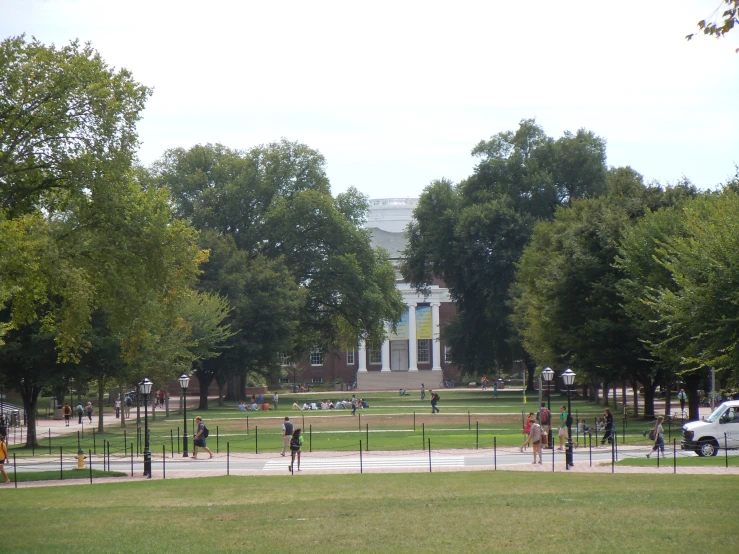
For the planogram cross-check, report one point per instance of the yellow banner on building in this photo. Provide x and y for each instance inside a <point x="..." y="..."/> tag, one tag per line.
<point x="423" y="322"/>
<point x="401" y="332"/>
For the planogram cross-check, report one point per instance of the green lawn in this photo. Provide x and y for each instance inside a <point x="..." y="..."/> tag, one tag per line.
<point x="469" y="419"/>
<point x="444" y="512"/>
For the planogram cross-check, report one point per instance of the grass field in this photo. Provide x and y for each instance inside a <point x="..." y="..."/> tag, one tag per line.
<point x="450" y="512"/>
<point x="469" y="419"/>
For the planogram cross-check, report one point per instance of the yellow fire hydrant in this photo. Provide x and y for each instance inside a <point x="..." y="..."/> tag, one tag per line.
<point x="80" y="459"/>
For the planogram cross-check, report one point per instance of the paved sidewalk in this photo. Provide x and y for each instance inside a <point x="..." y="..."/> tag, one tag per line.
<point x="327" y="463"/>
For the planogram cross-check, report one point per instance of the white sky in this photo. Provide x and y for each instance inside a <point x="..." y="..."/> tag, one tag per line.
<point x="396" y="94"/>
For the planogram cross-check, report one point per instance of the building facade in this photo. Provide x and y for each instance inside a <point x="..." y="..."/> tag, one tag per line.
<point x="414" y="353"/>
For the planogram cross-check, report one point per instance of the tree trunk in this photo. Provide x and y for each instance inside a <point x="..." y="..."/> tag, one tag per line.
<point x="101" y="394"/>
<point x="205" y="381"/>
<point x="691" y="389"/>
<point x="220" y="384"/>
<point x="605" y="394"/>
<point x="29" y="394"/>
<point x="668" y="395"/>
<point x="635" y="388"/>
<point x="166" y="402"/>
<point x="648" y="398"/>
<point x="596" y="395"/>
<point x="530" y="380"/>
<point x="615" y="405"/>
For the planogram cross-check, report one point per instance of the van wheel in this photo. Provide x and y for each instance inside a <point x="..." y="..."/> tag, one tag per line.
<point x="708" y="447"/>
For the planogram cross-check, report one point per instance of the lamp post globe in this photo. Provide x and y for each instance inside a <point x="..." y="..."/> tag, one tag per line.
<point x="548" y="375"/>
<point x="145" y="389"/>
<point x="569" y="378"/>
<point x="184" y="382"/>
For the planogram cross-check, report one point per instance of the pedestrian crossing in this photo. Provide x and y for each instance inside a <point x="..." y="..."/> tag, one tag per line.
<point x="353" y="462"/>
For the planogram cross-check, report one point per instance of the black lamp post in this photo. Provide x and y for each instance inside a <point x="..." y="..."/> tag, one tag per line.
<point x="295" y="377"/>
<point x="184" y="382"/>
<point x="547" y="374"/>
<point x="569" y="379"/>
<point x="145" y="389"/>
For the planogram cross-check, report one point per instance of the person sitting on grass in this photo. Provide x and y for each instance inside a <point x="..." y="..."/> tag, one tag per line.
<point x="296" y="406"/>
<point x="364" y="403"/>
<point x="305" y="406"/>
<point x="254" y="407"/>
<point x="313" y="405"/>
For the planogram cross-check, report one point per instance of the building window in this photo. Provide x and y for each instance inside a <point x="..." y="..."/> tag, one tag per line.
<point x="316" y="357"/>
<point x="424" y="355"/>
<point x="284" y="380"/>
<point x="317" y="380"/>
<point x="375" y="357"/>
<point x="284" y="359"/>
<point x="350" y="358"/>
<point x="448" y="354"/>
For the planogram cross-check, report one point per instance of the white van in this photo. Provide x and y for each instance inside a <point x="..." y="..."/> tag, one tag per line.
<point x="718" y="430"/>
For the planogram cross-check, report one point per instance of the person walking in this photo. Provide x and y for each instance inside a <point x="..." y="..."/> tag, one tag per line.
<point x="534" y="439"/>
<point x="88" y="409"/>
<point x="128" y="402"/>
<point x="562" y="433"/>
<point x="275" y="400"/>
<point x="681" y="396"/>
<point x="659" y="440"/>
<point x="80" y="413"/>
<point x="199" y="438"/>
<point x="3" y="458"/>
<point x="118" y="408"/>
<point x="296" y="443"/>
<point x="608" y="435"/>
<point x="527" y="431"/>
<point x="287" y="433"/>
<point x="545" y="420"/>
<point x="423" y="391"/>
<point x="67" y="412"/>
<point x="434" y="399"/>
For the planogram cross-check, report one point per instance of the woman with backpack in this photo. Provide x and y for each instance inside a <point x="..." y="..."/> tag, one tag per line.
<point x="296" y="442"/>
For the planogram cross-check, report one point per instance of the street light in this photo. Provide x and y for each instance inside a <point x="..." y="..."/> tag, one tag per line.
<point x="184" y="382"/>
<point x="145" y="389"/>
<point x="569" y="378"/>
<point x="547" y="374"/>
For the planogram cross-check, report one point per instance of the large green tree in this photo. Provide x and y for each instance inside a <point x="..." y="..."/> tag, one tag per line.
<point x="569" y="305"/>
<point x="77" y="234"/>
<point x="471" y="235"/>
<point x="288" y="240"/>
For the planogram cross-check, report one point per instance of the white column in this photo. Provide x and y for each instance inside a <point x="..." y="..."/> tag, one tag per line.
<point x="412" y="340"/>
<point x="362" y="357"/>
<point x="385" y="355"/>
<point x="435" y="334"/>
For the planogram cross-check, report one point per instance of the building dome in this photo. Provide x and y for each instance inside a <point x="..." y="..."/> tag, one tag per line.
<point x="391" y="214"/>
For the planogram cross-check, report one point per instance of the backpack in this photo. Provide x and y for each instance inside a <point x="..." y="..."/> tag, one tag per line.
<point x="128" y="401"/>
<point x="544" y="416"/>
<point x="652" y="434"/>
<point x="80" y="411"/>
<point x="295" y="443"/>
<point x="205" y="432"/>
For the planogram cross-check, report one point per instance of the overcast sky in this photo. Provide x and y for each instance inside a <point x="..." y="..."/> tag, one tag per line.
<point x="396" y="94"/>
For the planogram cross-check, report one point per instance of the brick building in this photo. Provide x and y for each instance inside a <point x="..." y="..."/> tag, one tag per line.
<point x="415" y="353"/>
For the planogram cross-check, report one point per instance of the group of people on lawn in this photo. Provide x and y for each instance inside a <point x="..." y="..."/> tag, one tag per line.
<point x="354" y="404"/>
